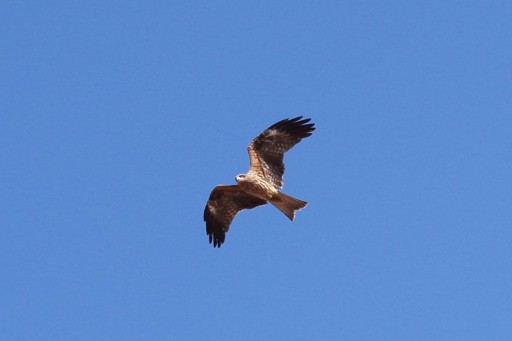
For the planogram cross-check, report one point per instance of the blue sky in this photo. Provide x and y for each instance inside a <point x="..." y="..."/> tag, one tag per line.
<point x="118" y="118"/>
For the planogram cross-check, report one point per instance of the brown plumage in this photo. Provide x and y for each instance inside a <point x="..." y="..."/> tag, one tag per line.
<point x="263" y="181"/>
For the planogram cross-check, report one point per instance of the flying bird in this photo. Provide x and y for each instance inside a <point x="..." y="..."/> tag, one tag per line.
<point x="262" y="183"/>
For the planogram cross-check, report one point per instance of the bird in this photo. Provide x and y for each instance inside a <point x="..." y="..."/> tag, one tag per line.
<point x="262" y="183"/>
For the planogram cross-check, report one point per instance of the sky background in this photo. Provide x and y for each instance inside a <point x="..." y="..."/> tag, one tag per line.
<point x="118" y="118"/>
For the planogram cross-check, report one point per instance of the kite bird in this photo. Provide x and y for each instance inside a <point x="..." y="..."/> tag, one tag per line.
<point x="262" y="183"/>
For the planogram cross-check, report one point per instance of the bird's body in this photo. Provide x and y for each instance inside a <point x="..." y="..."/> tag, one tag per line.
<point x="257" y="186"/>
<point x="262" y="183"/>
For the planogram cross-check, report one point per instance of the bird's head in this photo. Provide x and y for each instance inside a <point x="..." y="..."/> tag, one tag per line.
<point x="240" y="178"/>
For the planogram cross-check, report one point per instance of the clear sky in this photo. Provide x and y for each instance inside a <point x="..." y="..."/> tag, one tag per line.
<point x="118" y="118"/>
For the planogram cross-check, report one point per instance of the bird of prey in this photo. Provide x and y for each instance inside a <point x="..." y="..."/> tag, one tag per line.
<point x="263" y="181"/>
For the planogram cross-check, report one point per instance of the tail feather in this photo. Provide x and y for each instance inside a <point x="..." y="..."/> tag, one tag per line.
<point x="287" y="204"/>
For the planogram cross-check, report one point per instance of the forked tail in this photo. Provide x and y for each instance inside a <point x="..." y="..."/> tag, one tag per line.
<point x="287" y="204"/>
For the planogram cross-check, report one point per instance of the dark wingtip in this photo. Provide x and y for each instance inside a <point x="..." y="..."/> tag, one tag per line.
<point x="216" y="235"/>
<point x="215" y="232"/>
<point x="216" y="242"/>
<point x="295" y="126"/>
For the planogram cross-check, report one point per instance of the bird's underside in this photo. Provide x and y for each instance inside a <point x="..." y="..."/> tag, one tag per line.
<point x="263" y="181"/>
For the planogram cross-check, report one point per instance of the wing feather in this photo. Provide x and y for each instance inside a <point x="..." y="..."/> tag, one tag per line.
<point x="266" y="151"/>
<point x="223" y="205"/>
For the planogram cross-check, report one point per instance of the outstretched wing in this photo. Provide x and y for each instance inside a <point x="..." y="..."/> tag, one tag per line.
<point x="222" y="206"/>
<point x="266" y="152"/>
